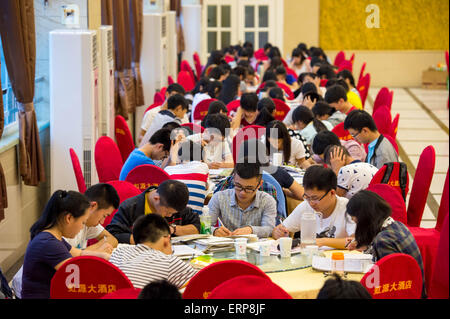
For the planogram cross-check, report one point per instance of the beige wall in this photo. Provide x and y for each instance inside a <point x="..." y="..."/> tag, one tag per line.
<point x="387" y="68"/>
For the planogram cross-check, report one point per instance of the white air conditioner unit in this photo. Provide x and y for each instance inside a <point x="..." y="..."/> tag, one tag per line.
<point x="74" y="110"/>
<point x="107" y="113"/>
<point x="172" y="59"/>
<point x="154" y="60"/>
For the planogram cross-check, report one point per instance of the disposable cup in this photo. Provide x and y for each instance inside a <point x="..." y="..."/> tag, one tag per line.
<point x="285" y="247"/>
<point x="264" y="248"/>
<point x="241" y="246"/>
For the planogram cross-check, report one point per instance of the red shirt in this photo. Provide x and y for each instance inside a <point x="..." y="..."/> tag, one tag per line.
<point x="352" y="109"/>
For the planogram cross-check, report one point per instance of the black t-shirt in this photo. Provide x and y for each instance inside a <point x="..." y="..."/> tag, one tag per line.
<point x="283" y="178"/>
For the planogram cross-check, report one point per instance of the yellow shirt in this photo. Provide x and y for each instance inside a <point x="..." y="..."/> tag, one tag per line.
<point x="354" y="100"/>
<point x="147" y="210"/>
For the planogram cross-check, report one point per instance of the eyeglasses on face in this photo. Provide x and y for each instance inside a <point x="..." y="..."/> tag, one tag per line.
<point x="248" y="190"/>
<point x="314" y="199"/>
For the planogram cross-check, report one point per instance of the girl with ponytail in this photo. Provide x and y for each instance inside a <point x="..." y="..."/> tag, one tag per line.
<point x="64" y="215"/>
<point x="307" y="125"/>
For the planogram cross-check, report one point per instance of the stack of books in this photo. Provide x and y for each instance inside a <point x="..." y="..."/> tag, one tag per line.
<point x="214" y="244"/>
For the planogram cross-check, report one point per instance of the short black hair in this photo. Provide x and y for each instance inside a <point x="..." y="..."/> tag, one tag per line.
<point x="190" y="151"/>
<point x="347" y="74"/>
<point x="160" y="290"/>
<point x="218" y="121"/>
<point x="359" y="119"/>
<point x="249" y="102"/>
<point x="266" y="103"/>
<point x="162" y="136"/>
<point x="335" y="93"/>
<point x="175" y="100"/>
<point x="267" y="46"/>
<point x="104" y="194"/>
<point x="247" y="169"/>
<point x="276" y="93"/>
<point x="322" y="108"/>
<point x="281" y="70"/>
<point x="171" y="125"/>
<point x="322" y="140"/>
<point x="319" y="177"/>
<point x="309" y="87"/>
<point x="174" y="194"/>
<point x="269" y="75"/>
<point x="340" y="82"/>
<point x="175" y="87"/>
<point x="150" y="228"/>
<point x="217" y="72"/>
<point x="338" y="288"/>
<point x="327" y="71"/>
<point x="240" y="71"/>
<point x="330" y="149"/>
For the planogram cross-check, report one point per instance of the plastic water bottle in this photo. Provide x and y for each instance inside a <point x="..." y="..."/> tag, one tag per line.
<point x="308" y="228"/>
<point x="205" y="221"/>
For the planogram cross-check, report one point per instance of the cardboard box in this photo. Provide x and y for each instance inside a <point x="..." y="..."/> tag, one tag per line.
<point x="434" y="79"/>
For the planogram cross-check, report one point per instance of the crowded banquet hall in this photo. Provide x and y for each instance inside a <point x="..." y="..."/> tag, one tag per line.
<point x="238" y="149"/>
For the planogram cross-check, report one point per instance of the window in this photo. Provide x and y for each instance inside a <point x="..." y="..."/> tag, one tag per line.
<point x="9" y="101"/>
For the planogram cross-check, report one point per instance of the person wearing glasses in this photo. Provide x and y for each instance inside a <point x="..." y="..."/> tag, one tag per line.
<point x="151" y="259"/>
<point x="336" y="227"/>
<point x="363" y="129"/>
<point x="243" y="209"/>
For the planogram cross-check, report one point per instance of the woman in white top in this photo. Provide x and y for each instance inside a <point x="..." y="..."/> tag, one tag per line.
<point x="307" y="125"/>
<point x="299" y="63"/>
<point x="279" y="140"/>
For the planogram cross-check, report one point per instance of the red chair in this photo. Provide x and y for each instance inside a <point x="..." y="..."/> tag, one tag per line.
<point x="394" y="126"/>
<point x="363" y="88"/>
<point x="289" y="71"/>
<point x="201" y="109"/>
<point x="383" y="120"/>
<point x="87" y="277"/>
<point x="384" y="97"/>
<point x="439" y="279"/>
<point x="233" y="106"/>
<point x="342" y="133"/>
<point x="248" y="287"/>
<point x="339" y="58"/>
<point x="397" y="276"/>
<point x="125" y="190"/>
<point x="186" y="81"/>
<point x="194" y="127"/>
<point x="281" y="109"/>
<point x="346" y="65"/>
<point x="394" y="199"/>
<point x="198" y="65"/>
<point x="129" y="293"/>
<point x="203" y="283"/>
<point x="428" y="238"/>
<point x="159" y="98"/>
<point x="151" y="107"/>
<point x="421" y="186"/>
<point x="323" y="82"/>
<point x="123" y="137"/>
<point x="361" y="73"/>
<point x="108" y="160"/>
<point x="352" y="59"/>
<point x="144" y="176"/>
<point x="185" y="66"/>
<point x="170" y="80"/>
<point x="287" y="90"/>
<point x="244" y="134"/>
<point x="81" y="183"/>
<point x="260" y="55"/>
<point x="446" y="60"/>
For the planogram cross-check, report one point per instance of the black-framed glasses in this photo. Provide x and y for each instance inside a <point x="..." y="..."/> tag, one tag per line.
<point x="248" y="190"/>
<point x="315" y="200"/>
<point x="355" y="134"/>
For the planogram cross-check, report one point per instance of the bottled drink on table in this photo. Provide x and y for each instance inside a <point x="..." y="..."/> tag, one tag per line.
<point x="205" y="221"/>
<point x="337" y="263"/>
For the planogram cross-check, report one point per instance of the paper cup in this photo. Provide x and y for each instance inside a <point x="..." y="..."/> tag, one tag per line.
<point x="285" y="246"/>
<point x="277" y="159"/>
<point x="241" y="246"/>
<point x="264" y="248"/>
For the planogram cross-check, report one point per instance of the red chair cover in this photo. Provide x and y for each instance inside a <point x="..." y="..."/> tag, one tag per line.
<point x="342" y="133"/>
<point x="346" y="65"/>
<point x="229" y="58"/>
<point x="248" y="287"/>
<point x="281" y="109"/>
<point x="383" y="120"/>
<point x="201" y="110"/>
<point x="78" y="171"/>
<point x="394" y="126"/>
<point x="439" y="279"/>
<point x="421" y="186"/>
<point x="185" y="66"/>
<point x="202" y="284"/>
<point x="323" y="82"/>
<point x="394" y="199"/>
<point x="186" y="81"/>
<point x="399" y="277"/>
<point x="194" y="127"/>
<point x="129" y="293"/>
<point x="123" y="137"/>
<point x="339" y="58"/>
<point x="287" y="90"/>
<point x="289" y="71"/>
<point x="384" y="97"/>
<point x="159" y="98"/>
<point x="233" y="106"/>
<point x="144" y="176"/>
<point x="443" y="207"/>
<point x="363" y="88"/>
<point x="260" y="55"/>
<point x="125" y="190"/>
<point x="108" y="160"/>
<point x="244" y="134"/>
<point x="170" y="80"/>
<point x="361" y="73"/>
<point x="393" y="180"/>
<point x="284" y="63"/>
<point x="152" y="107"/>
<point x="87" y="277"/>
<point x="352" y="58"/>
<point x="198" y="65"/>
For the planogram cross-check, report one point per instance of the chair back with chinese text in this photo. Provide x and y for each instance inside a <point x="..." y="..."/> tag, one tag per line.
<point x="144" y="176"/>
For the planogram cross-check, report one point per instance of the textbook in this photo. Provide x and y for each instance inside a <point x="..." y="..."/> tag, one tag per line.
<point x="214" y="244"/>
<point x="185" y="252"/>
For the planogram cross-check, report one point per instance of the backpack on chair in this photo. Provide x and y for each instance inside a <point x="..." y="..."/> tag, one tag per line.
<point x="394" y="174"/>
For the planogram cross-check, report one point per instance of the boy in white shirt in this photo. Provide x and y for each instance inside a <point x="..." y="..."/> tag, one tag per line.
<point x="320" y="196"/>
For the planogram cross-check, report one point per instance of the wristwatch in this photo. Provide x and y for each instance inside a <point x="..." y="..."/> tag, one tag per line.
<point x="174" y="229"/>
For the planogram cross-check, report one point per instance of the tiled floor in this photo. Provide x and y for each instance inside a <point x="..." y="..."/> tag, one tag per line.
<point x="417" y="130"/>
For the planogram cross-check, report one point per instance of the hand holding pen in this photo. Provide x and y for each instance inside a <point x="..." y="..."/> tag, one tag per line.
<point x="222" y="231"/>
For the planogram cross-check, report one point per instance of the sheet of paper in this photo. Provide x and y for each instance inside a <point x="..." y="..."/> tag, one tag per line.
<point x="186" y="251"/>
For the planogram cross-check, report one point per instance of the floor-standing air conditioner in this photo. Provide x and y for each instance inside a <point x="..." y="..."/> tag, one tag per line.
<point x="74" y="110"/>
<point x="107" y="113"/>
<point x="154" y="57"/>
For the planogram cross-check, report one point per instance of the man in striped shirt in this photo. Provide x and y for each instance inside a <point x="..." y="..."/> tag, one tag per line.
<point x="151" y="258"/>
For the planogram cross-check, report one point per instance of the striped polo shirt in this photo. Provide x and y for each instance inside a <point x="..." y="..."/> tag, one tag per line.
<point x="143" y="265"/>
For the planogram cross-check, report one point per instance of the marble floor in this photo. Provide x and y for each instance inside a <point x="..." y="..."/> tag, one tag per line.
<point x="424" y="120"/>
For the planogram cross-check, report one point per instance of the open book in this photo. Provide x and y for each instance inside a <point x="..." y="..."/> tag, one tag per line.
<point x="354" y="263"/>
